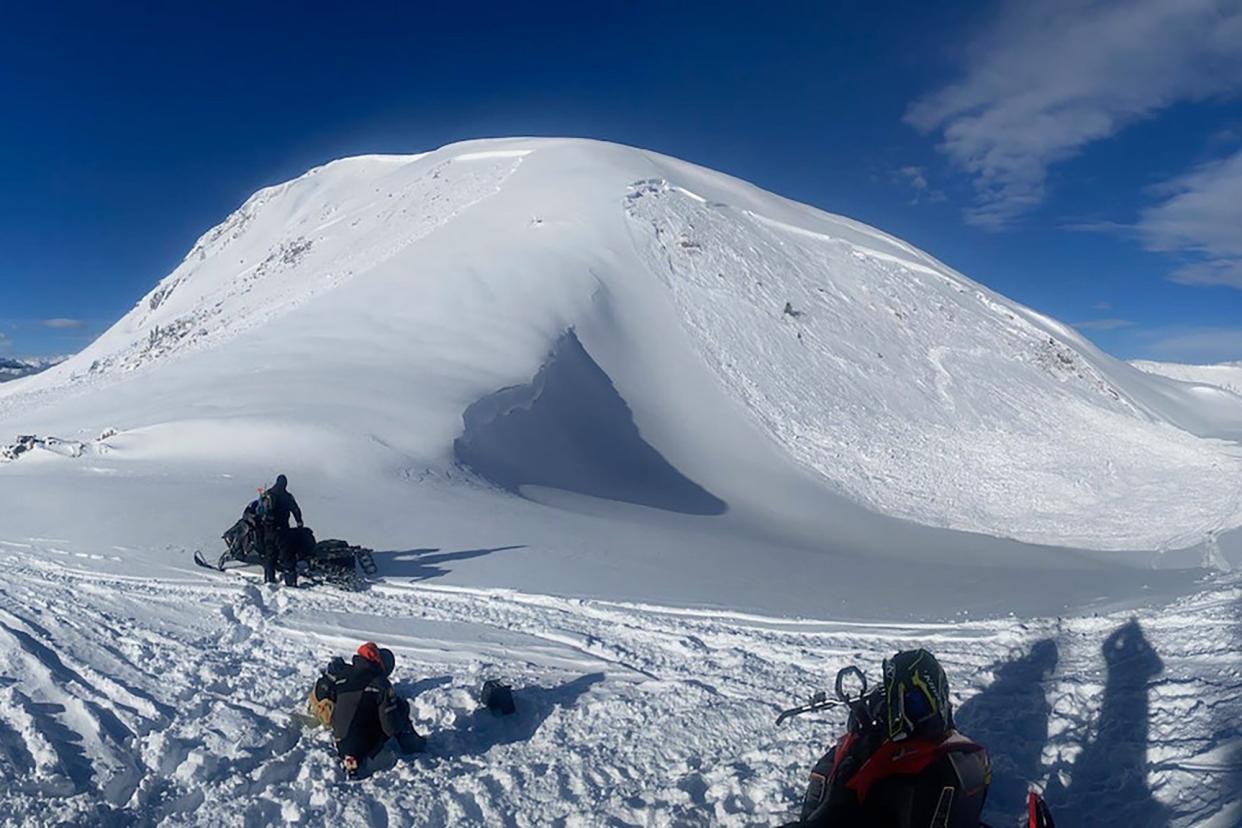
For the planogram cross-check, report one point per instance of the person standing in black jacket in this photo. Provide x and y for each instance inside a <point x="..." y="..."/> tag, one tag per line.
<point x="360" y="705"/>
<point x="276" y="506"/>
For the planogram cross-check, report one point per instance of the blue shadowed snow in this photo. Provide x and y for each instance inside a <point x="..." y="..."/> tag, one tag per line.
<point x="569" y="429"/>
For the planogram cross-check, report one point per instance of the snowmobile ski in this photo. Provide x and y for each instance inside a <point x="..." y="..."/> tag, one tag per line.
<point x="203" y="562"/>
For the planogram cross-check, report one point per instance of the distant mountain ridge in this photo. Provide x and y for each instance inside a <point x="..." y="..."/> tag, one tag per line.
<point x="11" y="368"/>
<point x="1226" y="375"/>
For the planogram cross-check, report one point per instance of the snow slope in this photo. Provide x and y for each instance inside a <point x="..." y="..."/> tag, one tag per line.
<point x="664" y="449"/>
<point x="1227" y="375"/>
<point x="417" y="285"/>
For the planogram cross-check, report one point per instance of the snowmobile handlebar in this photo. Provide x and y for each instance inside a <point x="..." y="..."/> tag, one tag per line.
<point x="842" y="675"/>
<point x="820" y="700"/>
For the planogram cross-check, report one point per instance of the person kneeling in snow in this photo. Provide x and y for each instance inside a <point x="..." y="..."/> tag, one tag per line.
<point x="358" y="702"/>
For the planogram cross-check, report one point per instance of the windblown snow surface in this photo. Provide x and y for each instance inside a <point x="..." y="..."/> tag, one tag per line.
<point x="661" y="449"/>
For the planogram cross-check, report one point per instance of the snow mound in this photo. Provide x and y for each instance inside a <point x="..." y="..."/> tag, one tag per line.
<point x="764" y="358"/>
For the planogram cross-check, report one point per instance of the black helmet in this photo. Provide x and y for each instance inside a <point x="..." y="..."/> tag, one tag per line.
<point x="388" y="660"/>
<point x="916" y="696"/>
<point x="281" y="482"/>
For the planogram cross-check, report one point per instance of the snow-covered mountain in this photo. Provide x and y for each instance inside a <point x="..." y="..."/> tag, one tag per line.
<point x="11" y="369"/>
<point x="1226" y="375"/>
<point x="754" y="340"/>
<point x="663" y="449"/>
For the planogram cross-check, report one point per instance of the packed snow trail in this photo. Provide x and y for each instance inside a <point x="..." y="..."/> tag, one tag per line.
<point x="169" y="702"/>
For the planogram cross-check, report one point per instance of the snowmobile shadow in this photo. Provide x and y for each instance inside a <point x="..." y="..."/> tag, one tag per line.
<point x="421" y="565"/>
<point x="1010" y="718"/>
<point x="482" y="730"/>
<point x="1108" y="781"/>
<point x="569" y="429"/>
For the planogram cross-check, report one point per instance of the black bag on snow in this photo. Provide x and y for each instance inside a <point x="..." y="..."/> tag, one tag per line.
<point x="497" y="697"/>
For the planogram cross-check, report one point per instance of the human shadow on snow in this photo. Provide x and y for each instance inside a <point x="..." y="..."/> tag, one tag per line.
<point x="1108" y="780"/>
<point x="1010" y="717"/>
<point x="1228" y="728"/>
<point x="425" y="564"/>
<point x="481" y="730"/>
<point x="477" y="732"/>
<point x="411" y="690"/>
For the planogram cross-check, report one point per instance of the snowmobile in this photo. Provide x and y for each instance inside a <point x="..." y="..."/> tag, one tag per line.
<point x="335" y="562"/>
<point x="866" y="709"/>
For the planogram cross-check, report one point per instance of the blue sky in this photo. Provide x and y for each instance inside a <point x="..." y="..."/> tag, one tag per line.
<point x="1084" y="158"/>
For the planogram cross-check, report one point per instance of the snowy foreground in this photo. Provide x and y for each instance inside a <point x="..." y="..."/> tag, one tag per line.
<point x="660" y="448"/>
<point x="127" y="699"/>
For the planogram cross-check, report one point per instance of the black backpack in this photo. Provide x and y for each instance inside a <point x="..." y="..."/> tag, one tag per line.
<point x="497" y="697"/>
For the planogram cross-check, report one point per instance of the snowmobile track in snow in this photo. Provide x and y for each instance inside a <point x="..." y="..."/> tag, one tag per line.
<point x="170" y="702"/>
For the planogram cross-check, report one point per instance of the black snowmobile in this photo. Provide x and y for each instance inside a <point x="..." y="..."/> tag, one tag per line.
<point x="335" y="562"/>
<point x="866" y="709"/>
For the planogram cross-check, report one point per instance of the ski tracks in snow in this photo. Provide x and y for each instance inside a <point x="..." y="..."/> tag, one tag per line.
<point x="126" y="700"/>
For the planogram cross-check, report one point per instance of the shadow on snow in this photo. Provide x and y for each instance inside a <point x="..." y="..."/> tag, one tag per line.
<point x="425" y="564"/>
<point x="569" y="429"/>
<point x="481" y="730"/>
<point x="1010" y="717"/>
<point x="1108" y="780"/>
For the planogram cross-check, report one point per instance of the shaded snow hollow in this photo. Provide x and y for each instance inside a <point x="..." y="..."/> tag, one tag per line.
<point x="569" y="429"/>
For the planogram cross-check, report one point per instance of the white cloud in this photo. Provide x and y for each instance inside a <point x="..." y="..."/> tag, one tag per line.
<point x="1103" y="324"/>
<point x="1200" y="217"/>
<point x="916" y="177"/>
<point x="62" y="324"/>
<point x="1045" y="79"/>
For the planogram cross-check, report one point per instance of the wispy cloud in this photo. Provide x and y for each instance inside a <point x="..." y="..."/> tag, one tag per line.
<point x="1103" y="324"/>
<point x="1045" y="79"/>
<point x="63" y="324"/>
<point x="1200" y="218"/>
<point x="916" y="177"/>
<point x="5" y="342"/>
